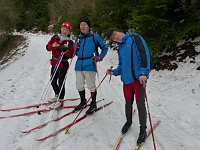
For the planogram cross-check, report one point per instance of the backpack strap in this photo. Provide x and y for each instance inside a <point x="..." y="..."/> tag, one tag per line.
<point x="132" y="59"/>
<point x="141" y="49"/>
<point x="96" y="44"/>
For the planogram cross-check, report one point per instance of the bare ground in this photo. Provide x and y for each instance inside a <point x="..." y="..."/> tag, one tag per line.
<point x="12" y="48"/>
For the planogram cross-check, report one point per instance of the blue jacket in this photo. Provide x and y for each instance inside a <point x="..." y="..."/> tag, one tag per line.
<point x="132" y="64"/>
<point x="87" y="50"/>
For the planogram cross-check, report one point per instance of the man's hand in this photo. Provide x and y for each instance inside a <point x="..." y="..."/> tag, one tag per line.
<point x="143" y="79"/>
<point x="76" y="45"/>
<point x="96" y="58"/>
<point x="109" y="71"/>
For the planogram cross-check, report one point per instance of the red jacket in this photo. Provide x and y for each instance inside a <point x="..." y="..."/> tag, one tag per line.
<point x="56" y="52"/>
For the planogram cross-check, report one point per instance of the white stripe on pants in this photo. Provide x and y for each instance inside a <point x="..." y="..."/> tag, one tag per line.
<point x="87" y="77"/>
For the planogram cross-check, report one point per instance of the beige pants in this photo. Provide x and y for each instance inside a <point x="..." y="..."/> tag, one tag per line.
<point x="87" y="77"/>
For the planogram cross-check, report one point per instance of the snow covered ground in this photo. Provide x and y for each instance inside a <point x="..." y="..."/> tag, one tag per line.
<point x="173" y="97"/>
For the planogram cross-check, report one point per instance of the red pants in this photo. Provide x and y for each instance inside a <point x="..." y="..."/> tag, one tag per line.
<point x="133" y="88"/>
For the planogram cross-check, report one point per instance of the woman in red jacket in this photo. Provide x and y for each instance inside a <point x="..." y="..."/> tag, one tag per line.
<point x="60" y="44"/>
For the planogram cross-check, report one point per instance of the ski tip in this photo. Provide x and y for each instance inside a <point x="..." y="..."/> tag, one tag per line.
<point x="25" y="131"/>
<point x="5" y="110"/>
<point x="22" y="131"/>
<point x="36" y="139"/>
<point x="2" y="117"/>
<point x="40" y="140"/>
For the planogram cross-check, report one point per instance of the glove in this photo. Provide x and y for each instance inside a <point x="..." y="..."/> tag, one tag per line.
<point x="63" y="48"/>
<point x="76" y="45"/>
<point x="97" y="58"/>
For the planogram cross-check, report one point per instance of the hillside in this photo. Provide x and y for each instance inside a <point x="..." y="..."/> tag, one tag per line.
<point x="173" y="97"/>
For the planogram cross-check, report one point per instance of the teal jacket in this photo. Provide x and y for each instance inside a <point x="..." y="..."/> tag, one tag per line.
<point x="87" y="50"/>
<point x="132" y="61"/>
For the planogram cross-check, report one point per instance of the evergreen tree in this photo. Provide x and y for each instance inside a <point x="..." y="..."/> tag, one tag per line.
<point x="41" y="14"/>
<point x="164" y="23"/>
<point x="112" y="13"/>
<point x="33" y="13"/>
<point x="8" y="21"/>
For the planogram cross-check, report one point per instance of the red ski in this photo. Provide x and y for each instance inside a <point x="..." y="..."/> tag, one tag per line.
<point x="36" y="105"/>
<point x="34" y="112"/>
<point x="53" y="120"/>
<point x="71" y="124"/>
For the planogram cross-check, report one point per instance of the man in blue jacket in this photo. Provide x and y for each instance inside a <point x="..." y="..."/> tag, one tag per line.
<point x="134" y="68"/>
<point x="85" y="67"/>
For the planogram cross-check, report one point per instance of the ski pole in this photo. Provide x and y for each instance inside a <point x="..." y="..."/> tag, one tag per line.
<point x="58" y="62"/>
<point x="86" y="103"/>
<point x="65" y="75"/>
<point x="60" y="92"/>
<point x="110" y="75"/>
<point x="52" y="76"/>
<point x="54" y="72"/>
<point x="96" y="69"/>
<point x="154" y="144"/>
<point x="63" y="84"/>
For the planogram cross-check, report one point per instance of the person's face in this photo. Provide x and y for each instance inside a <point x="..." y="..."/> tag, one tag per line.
<point x="64" y="32"/>
<point x="117" y="36"/>
<point x="84" y="27"/>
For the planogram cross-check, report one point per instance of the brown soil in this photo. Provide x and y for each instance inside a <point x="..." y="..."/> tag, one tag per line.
<point x="12" y="47"/>
<point x="188" y="49"/>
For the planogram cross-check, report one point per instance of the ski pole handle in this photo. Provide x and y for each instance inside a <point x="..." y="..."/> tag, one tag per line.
<point x="110" y="75"/>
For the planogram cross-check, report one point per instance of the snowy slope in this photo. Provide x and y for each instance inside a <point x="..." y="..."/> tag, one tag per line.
<point x="173" y="97"/>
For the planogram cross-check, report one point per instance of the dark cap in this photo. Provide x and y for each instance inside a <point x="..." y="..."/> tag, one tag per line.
<point x="86" y="20"/>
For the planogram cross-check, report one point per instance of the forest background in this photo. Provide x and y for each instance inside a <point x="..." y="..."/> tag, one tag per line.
<point x="163" y="23"/>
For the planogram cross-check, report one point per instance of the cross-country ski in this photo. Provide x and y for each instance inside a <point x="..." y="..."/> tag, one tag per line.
<point x="71" y="124"/>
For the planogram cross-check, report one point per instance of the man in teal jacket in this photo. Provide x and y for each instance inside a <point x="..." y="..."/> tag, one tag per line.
<point x="86" y="48"/>
<point x="134" y="68"/>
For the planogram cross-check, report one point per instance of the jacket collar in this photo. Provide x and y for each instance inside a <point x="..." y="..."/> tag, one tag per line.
<point x="62" y="38"/>
<point x="127" y="34"/>
<point x="124" y="39"/>
<point x="85" y="35"/>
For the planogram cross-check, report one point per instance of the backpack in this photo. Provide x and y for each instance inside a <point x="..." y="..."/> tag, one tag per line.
<point x="137" y="40"/>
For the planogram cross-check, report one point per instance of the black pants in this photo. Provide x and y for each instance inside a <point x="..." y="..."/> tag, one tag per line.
<point x="58" y="80"/>
<point x="142" y="113"/>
